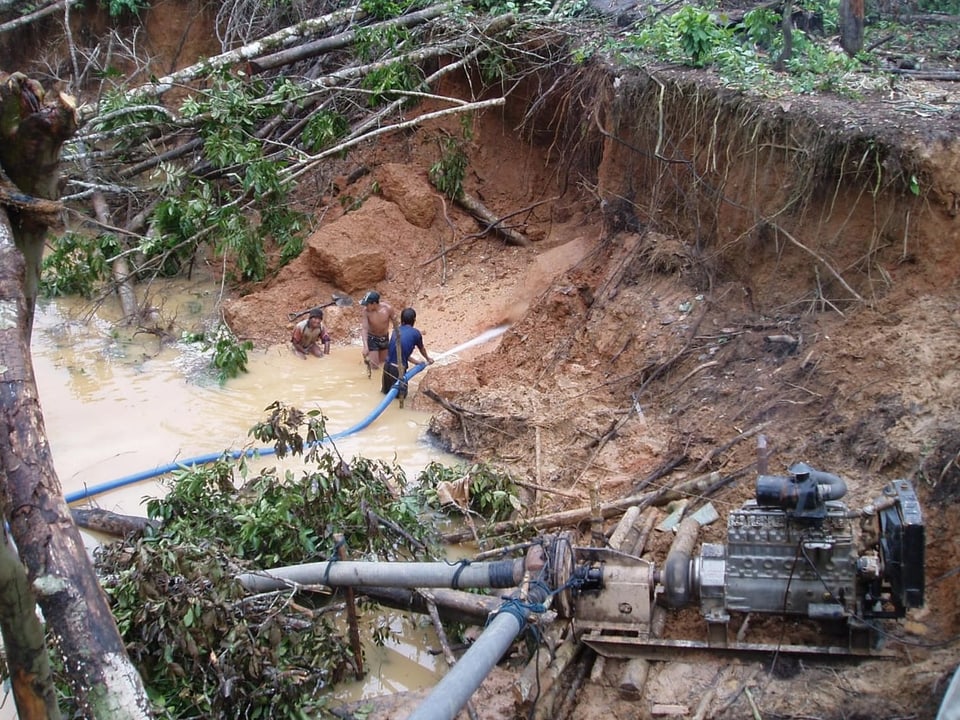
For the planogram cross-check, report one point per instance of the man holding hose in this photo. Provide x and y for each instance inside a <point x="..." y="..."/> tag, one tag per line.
<point x="408" y="338"/>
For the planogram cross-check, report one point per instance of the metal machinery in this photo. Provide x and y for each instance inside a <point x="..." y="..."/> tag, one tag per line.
<point x="795" y="550"/>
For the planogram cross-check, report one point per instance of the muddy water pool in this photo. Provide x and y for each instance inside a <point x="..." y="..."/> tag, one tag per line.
<point x="115" y="406"/>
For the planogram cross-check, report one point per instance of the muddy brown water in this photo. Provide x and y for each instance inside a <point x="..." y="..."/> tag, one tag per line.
<point x="116" y="405"/>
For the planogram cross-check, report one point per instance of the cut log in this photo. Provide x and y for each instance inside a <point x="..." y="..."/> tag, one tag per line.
<point x="480" y="211"/>
<point x="111" y="523"/>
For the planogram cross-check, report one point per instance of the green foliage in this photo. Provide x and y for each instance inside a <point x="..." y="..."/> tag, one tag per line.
<point x="229" y="356"/>
<point x="191" y="633"/>
<point x="948" y="7"/>
<point x="179" y="221"/>
<point x="493" y="494"/>
<point x="384" y="9"/>
<point x="496" y="66"/>
<point x="194" y="210"/>
<point x="567" y="9"/>
<point x="324" y="129"/>
<point x="816" y="68"/>
<point x="126" y="119"/>
<point x="383" y="83"/>
<point x="285" y="226"/>
<point x="119" y="7"/>
<point x="744" y="56"/>
<point x="448" y="172"/>
<point x="77" y="265"/>
<point x="762" y="26"/>
<point x="371" y="43"/>
<point x="190" y="628"/>
<point x="690" y="35"/>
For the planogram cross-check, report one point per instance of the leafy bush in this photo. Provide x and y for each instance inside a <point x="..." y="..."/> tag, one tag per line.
<point x="77" y="265"/>
<point x="492" y="492"/>
<point x="203" y="645"/>
<point x="690" y="35"/>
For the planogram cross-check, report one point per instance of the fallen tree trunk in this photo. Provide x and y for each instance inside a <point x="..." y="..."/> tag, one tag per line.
<point x="453" y="605"/>
<point x="304" y="51"/>
<point x="607" y="510"/>
<point x="480" y="211"/>
<point x="288" y="37"/>
<point x="111" y="523"/>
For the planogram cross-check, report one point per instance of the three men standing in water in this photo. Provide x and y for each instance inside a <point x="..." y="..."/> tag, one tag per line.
<point x="380" y="349"/>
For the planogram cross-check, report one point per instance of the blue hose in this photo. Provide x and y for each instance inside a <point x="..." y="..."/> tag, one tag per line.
<point x="89" y="492"/>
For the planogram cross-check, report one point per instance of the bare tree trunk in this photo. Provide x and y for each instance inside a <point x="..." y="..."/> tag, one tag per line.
<point x="787" y="29"/>
<point x="851" y="26"/>
<point x="58" y="568"/>
<point x="119" y="267"/>
<point x="26" y="651"/>
<point x="105" y="683"/>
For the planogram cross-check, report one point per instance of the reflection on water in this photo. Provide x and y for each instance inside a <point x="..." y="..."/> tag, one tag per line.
<point x="116" y="405"/>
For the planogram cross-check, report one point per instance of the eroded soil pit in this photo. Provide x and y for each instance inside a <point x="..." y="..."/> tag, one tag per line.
<point x="701" y="270"/>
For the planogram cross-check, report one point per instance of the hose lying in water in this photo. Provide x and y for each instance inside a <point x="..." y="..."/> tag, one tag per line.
<point x="89" y="492"/>
<point x="108" y="486"/>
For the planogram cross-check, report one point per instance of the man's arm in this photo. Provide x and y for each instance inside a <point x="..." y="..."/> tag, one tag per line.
<point x="365" y="330"/>
<point x="296" y="339"/>
<point x="423" y="351"/>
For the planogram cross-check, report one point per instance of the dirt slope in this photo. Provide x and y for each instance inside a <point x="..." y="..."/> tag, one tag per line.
<point x="630" y="347"/>
<point x="680" y="234"/>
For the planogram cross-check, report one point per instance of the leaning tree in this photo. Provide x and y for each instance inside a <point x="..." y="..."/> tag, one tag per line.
<point x="43" y="559"/>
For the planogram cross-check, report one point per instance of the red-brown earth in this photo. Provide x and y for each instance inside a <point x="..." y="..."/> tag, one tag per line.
<point x="638" y="338"/>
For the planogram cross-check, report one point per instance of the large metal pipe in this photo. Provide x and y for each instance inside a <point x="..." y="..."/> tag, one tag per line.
<point x="455" y="688"/>
<point x="339" y="573"/>
<point x="676" y="571"/>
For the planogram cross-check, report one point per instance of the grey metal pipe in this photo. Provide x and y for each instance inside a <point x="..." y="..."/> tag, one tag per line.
<point x="455" y="688"/>
<point x="340" y="573"/>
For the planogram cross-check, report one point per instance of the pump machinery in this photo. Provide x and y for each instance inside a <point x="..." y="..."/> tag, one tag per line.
<point x="795" y="550"/>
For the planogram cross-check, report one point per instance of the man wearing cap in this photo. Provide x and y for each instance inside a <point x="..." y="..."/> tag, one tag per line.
<point x="376" y="318"/>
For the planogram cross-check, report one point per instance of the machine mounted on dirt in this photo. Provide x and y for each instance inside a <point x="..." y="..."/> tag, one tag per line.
<point x="795" y="550"/>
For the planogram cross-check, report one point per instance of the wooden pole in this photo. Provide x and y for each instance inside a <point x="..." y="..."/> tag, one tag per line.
<point x="351" y="612"/>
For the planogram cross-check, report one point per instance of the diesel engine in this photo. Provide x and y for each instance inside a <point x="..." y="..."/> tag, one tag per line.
<point x="796" y="549"/>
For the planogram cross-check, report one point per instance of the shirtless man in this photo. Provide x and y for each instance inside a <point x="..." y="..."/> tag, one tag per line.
<point x="309" y="335"/>
<point x="376" y="318"/>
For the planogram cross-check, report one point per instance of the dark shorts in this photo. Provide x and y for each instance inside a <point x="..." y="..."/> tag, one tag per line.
<point x="378" y="342"/>
<point x="389" y="377"/>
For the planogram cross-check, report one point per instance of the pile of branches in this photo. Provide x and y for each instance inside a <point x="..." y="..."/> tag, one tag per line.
<point x="218" y="164"/>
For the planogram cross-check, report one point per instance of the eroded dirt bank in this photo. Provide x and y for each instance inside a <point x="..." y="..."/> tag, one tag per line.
<point x="701" y="268"/>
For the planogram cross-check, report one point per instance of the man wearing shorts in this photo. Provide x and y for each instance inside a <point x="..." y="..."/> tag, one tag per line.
<point x="376" y="318"/>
